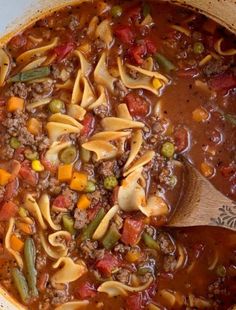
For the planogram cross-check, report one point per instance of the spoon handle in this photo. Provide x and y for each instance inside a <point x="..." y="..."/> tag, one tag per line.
<point x="201" y="204"/>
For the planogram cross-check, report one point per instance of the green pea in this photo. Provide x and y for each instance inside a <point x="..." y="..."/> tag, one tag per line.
<point x="116" y="11"/>
<point x="198" y="48"/>
<point x="91" y="187"/>
<point x="56" y="106"/>
<point x="110" y="182"/>
<point x="15" y="143"/>
<point x="167" y="149"/>
<point x="68" y="155"/>
<point x="221" y="271"/>
<point x="29" y="154"/>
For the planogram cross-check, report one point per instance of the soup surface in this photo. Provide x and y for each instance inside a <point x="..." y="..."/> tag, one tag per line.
<point x="98" y="104"/>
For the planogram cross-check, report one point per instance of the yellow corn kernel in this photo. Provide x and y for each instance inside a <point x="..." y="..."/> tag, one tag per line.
<point x="156" y="83"/>
<point x="133" y="256"/>
<point x="114" y="71"/>
<point x="207" y="170"/>
<point x="83" y="202"/>
<point x="146" y="220"/>
<point x="37" y="166"/>
<point x="200" y="115"/>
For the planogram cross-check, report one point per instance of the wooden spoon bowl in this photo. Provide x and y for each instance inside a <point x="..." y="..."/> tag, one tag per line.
<point x="201" y="204"/>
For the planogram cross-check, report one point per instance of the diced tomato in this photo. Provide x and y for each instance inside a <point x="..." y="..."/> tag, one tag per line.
<point x="18" y="41"/>
<point x="134" y="12"/>
<point x="131" y="231"/>
<point x="134" y="302"/>
<point x="15" y="166"/>
<point x="63" y="50"/>
<point x="28" y="175"/>
<point x="181" y="139"/>
<point x="19" y="154"/>
<point x="62" y="202"/>
<point x="8" y="210"/>
<point x="223" y="82"/>
<point x="88" y="122"/>
<point x="91" y="212"/>
<point x="151" y="46"/>
<point x="188" y="73"/>
<point x="228" y="171"/>
<point x="11" y="189"/>
<point x="124" y="34"/>
<point x="47" y="164"/>
<point x="107" y="264"/>
<point x="137" y="105"/>
<point x="43" y="281"/>
<point x="85" y="290"/>
<point x="137" y="52"/>
<point x="158" y="221"/>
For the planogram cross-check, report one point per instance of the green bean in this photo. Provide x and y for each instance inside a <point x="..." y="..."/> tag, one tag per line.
<point x="91" y="187"/>
<point x="110" y="182"/>
<point x="150" y="242"/>
<point x="21" y="285"/>
<point x="68" y="155"/>
<point x="111" y="237"/>
<point x="56" y="106"/>
<point x="167" y="149"/>
<point x="165" y="63"/>
<point x="68" y="224"/>
<point x="92" y="226"/>
<point x="31" y="273"/>
<point x="230" y="118"/>
<point x="30" y="75"/>
<point x="14" y="143"/>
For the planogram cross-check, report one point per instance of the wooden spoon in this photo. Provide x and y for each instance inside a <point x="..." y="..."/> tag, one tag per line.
<point x="201" y="204"/>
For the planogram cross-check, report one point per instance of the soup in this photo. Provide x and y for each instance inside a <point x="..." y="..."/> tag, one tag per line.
<point x="99" y="103"/>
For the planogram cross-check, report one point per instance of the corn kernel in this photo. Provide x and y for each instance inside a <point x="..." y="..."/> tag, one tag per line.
<point x="207" y="170"/>
<point x="133" y="256"/>
<point x="37" y="166"/>
<point x="156" y="83"/>
<point x="200" y="115"/>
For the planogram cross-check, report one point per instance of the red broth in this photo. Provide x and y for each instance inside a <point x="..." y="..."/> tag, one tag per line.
<point x="56" y="251"/>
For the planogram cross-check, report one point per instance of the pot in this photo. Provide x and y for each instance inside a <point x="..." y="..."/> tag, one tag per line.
<point x="15" y="15"/>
